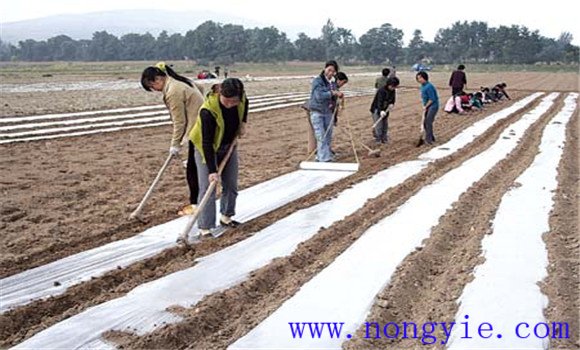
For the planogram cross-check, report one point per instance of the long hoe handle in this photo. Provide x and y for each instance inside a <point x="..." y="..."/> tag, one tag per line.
<point x="207" y="195"/>
<point x="421" y="140"/>
<point x="136" y="214"/>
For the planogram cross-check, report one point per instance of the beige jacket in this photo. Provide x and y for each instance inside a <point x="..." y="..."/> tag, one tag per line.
<point x="183" y="102"/>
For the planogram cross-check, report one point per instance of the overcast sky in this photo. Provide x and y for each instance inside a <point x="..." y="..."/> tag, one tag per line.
<point x="550" y="17"/>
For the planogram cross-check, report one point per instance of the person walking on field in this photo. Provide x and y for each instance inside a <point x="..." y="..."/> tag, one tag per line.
<point x="321" y="114"/>
<point x="458" y="80"/>
<point x="382" y="105"/>
<point x="183" y="99"/>
<point x="430" y="105"/>
<point x="222" y="118"/>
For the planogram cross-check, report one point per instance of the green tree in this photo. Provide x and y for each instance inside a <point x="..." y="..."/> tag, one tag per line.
<point x="104" y="47"/>
<point x="416" y="50"/>
<point x="309" y="49"/>
<point x="382" y="44"/>
<point x="7" y="51"/>
<point x="138" y="47"/>
<point x="230" y="44"/>
<point x="201" y="43"/>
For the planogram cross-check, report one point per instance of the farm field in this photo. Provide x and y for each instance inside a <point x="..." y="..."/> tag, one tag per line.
<point x="406" y="238"/>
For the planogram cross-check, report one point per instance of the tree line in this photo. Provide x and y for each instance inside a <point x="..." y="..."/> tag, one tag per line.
<point x="467" y="42"/>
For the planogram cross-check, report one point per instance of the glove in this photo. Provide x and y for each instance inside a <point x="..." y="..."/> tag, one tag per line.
<point x="174" y="151"/>
<point x="383" y="114"/>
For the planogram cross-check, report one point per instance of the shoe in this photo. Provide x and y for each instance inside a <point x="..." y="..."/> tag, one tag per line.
<point x="189" y="209"/>
<point x="227" y="221"/>
<point x="383" y="141"/>
<point x="205" y="232"/>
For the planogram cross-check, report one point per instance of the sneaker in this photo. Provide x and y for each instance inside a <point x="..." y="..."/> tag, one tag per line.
<point x="189" y="209"/>
<point x="227" y="221"/>
<point x="383" y="141"/>
<point x="205" y="232"/>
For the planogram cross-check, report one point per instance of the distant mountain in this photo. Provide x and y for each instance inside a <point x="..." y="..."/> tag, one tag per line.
<point x="82" y="26"/>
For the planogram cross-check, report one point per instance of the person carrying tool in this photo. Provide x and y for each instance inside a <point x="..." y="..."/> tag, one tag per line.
<point x="430" y="100"/>
<point x="321" y="114"/>
<point x="382" y="105"/>
<point x="183" y="99"/>
<point x="341" y="80"/>
<point x="222" y="118"/>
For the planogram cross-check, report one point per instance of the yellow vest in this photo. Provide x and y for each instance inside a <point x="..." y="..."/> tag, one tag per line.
<point x="212" y="104"/>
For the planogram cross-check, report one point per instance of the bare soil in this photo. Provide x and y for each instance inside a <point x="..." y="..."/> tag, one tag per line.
<point x="64" y="196"/>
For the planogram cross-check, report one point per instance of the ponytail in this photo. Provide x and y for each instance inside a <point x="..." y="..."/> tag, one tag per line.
<point x="176" y="76"/>
<point x="160" y="70"/>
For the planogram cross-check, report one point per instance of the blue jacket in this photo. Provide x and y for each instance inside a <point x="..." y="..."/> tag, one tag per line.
<point x="428" y="92"/>
<point x="321" y="95"/>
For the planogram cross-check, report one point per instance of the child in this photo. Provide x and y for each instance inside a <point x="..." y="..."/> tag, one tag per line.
<point x="476" y="100"/>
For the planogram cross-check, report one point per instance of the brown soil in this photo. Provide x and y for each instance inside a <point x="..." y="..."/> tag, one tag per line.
<point x="30" y="103"/>
<point x="82" y="185"/>
<point x="428" y="282"/>
<point x="65" y="196"/>
<point x="221" y="318"/>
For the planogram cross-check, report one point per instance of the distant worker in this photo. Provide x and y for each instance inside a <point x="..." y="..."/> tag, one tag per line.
<point x="217" y="71"/>
<point x="393" y="73"/>
<point x="501" y="88"/>
<point x="183" y="99"/>
<point x="430" y="100"/>
<point x="382" y="105"/>
<point x="458" y="80"/>
<point x="382" y="80"/>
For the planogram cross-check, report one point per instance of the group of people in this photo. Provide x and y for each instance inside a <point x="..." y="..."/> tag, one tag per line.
<point x="323" y="106"/>
<point x="384" y="102"/>
<point x="208" y="125"/>
<point x="462" y="102"/>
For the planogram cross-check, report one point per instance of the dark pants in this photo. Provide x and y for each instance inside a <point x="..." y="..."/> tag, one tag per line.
<point x="380" y="131"/>
<point x="456" y="90"/>
<point x="428" y="124"/>
<point x="191" y="174"/>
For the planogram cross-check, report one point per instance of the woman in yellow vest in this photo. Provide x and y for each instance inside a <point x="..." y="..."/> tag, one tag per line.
<point x="221" y="119"/>
<point x="183" y="99"/>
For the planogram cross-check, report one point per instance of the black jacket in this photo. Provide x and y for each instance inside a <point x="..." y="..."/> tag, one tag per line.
<point x="383" y="98"/>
